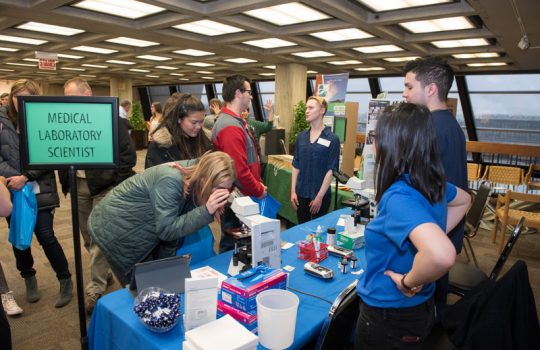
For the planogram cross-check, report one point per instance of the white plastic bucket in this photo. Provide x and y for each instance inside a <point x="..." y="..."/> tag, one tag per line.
<point x="276" y="318"/>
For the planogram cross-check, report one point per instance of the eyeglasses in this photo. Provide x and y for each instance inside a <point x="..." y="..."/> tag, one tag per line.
<point x="245" y="90"/>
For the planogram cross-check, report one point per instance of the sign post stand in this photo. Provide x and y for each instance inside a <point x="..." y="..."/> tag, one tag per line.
<point x="77" y="253"/>
<point x="70" y="133"/>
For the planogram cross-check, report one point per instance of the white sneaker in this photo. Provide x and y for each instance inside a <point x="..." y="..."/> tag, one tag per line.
<point x="10" y="305"/>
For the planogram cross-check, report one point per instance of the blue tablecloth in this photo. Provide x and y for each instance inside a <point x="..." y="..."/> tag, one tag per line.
<point x="114" y="325"/>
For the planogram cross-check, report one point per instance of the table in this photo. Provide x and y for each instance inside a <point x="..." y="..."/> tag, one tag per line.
<point x="278" y="181"/>
<point x="114" y="325"/>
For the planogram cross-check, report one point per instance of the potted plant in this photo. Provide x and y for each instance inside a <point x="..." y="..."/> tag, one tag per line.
<point x="299" y="124"/>
<point x="138" y="133"/>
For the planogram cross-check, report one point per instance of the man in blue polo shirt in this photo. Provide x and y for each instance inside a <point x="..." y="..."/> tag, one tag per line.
<point x="427" y="82"/>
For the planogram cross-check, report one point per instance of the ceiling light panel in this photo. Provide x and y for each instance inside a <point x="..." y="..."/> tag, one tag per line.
<point x="438" y="25"/>
<point x="400" y="59"/>
<point x="6" y="70"/>
<point x="313" y="54"/>
<point x="476" y="55"/>
<point x="94" y="65"/>
<point x="240" y="60"/>
<point x="443" y="44"/>
<point x="167" y="67"/>
<point x="87" y="75"/>
<point x="73" y="57"/>
<point x="31" y="59"/>
<point x="8" y="49"/>
<point x="368" y="69"/>
<point x="139" y="70"/>
<point x="154" y="58"/>
<point x="48" y="28"/>
<point x="204" y="72"/>
<point x="311" y="72"/>
<point x="193" y="52"/>
<point x="200" y="64"/>
<point x="22" y="64"/>
<point x="378" y="48"/>
<point x="267" y="74"/>
<point x="269" y="43"/>
<point x="152" y="76"/>
<point x="131" y="9"/>
<point x="487" y="64"/>
<point x="131" y="42"/>
<point x="387" y="5"/>
<point x="269" y="67"/>
<point x="94" y="49"/>
<point x="208" y="78"/>
<point x="208" y="28"/>
<point x="21" y="40"/>
<point x="120" y="62"/>
<point x="177" y="74"/>
<point x="343" y="63"/>
<point x="342" y="34"/>
<point x="75" y="69"/>
<point x="286" y="14"/>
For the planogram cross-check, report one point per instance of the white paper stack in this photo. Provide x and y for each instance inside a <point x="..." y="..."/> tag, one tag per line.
<point x="222" y="334"/>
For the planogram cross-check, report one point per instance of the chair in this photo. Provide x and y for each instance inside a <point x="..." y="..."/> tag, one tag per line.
<point x="464" y="277"/>
<point x="504" y="177"/>
<point x="530" y="178"/>
<point x="508" y="216"/>
<point x="339" y="327"/>
<point x="474" y="216"/>
<point x="473" y="174"/>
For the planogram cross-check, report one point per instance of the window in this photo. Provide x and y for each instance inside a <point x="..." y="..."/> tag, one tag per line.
<point x="267" y="93"/>
<point x="159" y="94"/>
<point x="196" y="90"/>
<point x="504" y="107"/>
<point x="358" y="91"/>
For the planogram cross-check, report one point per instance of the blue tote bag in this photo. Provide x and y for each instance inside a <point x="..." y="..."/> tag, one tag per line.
<point x="23" y="217"/>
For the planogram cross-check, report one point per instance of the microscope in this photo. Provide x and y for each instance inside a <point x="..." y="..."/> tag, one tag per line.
<point x="258" y="239"/>
<point x="363" y="210"/>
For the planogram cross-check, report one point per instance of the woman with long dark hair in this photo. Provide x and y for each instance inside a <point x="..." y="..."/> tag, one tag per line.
<point x="406" y="244"/>
<point x="179" y="135"/>
<point x="46" y="195"/>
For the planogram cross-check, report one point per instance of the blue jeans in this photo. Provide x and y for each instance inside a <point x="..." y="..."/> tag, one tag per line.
<point x="55" y="254"/>
<point x="400" y="328"/>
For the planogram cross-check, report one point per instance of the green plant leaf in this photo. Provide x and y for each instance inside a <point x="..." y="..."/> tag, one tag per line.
<point x="300" y="123"/>
<point x="137" y="119"/>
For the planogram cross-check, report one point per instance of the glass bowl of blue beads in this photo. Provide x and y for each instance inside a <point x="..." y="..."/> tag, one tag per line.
<point x="159" y="310"/>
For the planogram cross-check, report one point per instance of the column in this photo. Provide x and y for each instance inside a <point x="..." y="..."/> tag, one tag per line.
<point x="291" y="80"/>
<point x="123" y="88"/>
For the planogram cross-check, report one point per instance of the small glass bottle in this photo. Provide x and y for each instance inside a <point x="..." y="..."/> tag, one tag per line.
<point x="331" y="236"/>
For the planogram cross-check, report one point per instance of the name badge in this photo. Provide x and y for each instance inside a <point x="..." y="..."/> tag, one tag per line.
<point x="323" y="142"/>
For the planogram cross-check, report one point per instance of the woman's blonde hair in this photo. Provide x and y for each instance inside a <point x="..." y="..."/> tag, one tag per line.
<point x="212" y="170"/>
<point x="24" y="84"/>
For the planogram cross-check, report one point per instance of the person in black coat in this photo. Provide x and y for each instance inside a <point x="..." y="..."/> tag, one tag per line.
<point x="92" y="186"/>
<point x="179" y="135"/>
<point x="44" y="185"/>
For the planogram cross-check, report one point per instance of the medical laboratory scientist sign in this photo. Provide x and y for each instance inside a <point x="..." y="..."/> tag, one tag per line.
<point x="57" y="132"/>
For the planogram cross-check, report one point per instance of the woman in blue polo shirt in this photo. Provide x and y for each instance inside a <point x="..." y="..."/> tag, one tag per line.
<point x="316" y="157"/>
<point x="406" y="244"/>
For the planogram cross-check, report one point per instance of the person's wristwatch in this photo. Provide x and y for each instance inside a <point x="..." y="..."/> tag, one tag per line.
<point x="406" y="287"/>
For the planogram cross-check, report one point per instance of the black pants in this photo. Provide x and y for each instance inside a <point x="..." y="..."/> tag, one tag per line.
<point x="402" y="328"/>
<point x="303" y="208"/>
<point x="5" y="331"/>
<point x="53" y="250"/>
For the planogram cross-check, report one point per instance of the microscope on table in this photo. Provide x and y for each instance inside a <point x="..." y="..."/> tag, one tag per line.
<point x="258" y="239"/>
<point x="364" y="208"/>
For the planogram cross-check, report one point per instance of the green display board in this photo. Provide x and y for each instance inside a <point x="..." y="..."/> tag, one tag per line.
<point x="57" y="132"/>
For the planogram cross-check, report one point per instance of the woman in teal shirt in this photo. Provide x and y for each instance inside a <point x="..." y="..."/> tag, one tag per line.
<point x="406" y="244"/>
